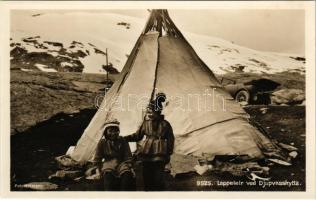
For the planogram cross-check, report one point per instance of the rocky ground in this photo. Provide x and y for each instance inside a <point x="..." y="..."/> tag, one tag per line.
<point x="49" y="112"/>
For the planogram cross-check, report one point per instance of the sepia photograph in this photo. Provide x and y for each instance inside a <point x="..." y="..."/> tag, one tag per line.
<point x="158" y="99"/>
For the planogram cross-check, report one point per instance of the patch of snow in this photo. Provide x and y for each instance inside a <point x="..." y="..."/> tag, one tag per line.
<point x="53" y="53"/>
<point x="26" y="70"/>
<point x="93" y="63"/>
<point x="52" y="47"/>
<point x="44" y="68"/>
<point x="74" y="49"/>
<point x="64" y="56"/>
<point x="66" y="64"/>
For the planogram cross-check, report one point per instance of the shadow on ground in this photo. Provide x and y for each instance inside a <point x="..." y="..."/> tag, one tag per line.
<point x="33" y="151"/>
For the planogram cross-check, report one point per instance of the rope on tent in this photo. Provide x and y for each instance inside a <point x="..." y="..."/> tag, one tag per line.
<point x="212" y="124"/>
<point x="272" y="147"/>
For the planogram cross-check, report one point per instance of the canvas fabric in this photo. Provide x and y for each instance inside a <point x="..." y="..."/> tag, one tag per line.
<point x="204" y="117"/>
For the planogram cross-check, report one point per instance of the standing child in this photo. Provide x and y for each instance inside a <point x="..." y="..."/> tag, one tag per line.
<point x="155" y="150"/>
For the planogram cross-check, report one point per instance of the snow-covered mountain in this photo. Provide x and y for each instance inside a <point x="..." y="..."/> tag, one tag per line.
<point x="224" y="56"/>
<point x="77" y="33"/>
<point x="76" y="41"/>
<point x="36" y="54"/>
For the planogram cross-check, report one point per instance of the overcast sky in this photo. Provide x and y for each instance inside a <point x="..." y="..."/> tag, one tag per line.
<point x="273" y="30"/>
<point x="268" y="30"/>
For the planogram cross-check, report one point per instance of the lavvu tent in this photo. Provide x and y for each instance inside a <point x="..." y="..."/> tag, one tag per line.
<point x="204" y="117"/>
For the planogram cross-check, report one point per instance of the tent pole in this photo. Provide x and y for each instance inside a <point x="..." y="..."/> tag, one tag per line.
<point x="107" y="63"/>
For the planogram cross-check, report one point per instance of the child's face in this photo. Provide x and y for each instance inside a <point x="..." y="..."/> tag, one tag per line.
<point x="112" y="132"/>
<point x="151" y="114"/>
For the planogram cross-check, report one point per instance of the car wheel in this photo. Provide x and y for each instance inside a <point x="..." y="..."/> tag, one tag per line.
<point x="242" y="96"/>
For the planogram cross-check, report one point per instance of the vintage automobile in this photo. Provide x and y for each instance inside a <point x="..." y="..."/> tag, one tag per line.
<point x="251" y="92"/>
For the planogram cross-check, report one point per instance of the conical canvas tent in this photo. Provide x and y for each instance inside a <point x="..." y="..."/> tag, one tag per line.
<point x="204" y="117"/>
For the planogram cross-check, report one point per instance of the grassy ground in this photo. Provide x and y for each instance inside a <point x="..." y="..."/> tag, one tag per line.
<point x="37" y="96"/>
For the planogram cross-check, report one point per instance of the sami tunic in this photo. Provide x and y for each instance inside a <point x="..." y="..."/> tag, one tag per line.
<point x="113" y="156"/>
<point x="158" y="140"/>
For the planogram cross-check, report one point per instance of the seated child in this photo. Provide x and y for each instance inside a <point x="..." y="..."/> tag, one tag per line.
<point x="113" y="158"/>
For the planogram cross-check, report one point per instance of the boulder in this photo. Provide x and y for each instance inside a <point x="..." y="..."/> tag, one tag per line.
<point x="64" y="174"/>
<point x="288" y="96"/>
<point x="293" y="154"/>
<point x="264" y="110"/>
<point x="288" y="147"/>
<point x="280" y="162"/>
<point x="201" y="169"/>
<point x="66" y="162"/>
